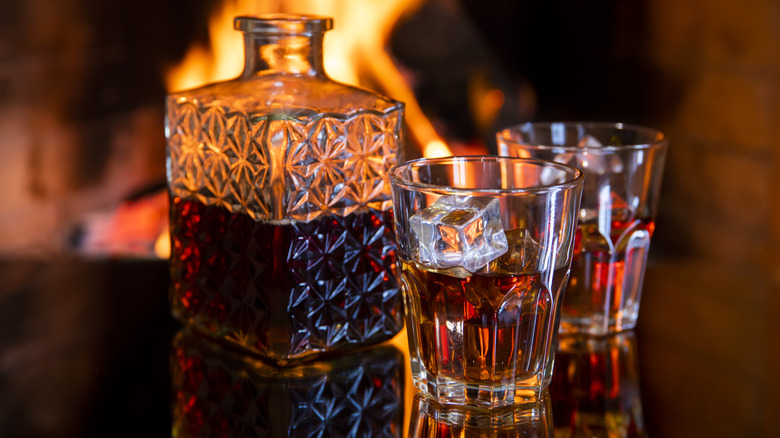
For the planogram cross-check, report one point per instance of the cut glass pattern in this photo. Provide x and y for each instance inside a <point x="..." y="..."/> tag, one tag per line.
<point x="275" y="166"/>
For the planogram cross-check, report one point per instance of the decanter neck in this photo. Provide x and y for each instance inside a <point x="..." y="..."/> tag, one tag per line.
<point x="283" y="44"/>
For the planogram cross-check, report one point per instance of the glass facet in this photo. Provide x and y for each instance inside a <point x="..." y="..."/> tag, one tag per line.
<point x="623" y="166"/>
<point x="281" y="232"/>
<point x="481" y="333"/>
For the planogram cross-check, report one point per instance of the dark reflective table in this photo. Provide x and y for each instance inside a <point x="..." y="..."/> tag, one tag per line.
<point x="219" y="392"/>
<point x="87" y="348"/>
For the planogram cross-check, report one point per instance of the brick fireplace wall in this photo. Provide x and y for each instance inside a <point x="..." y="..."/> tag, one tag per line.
<point x="81" y="119"/>
<point x="720" y="190"/>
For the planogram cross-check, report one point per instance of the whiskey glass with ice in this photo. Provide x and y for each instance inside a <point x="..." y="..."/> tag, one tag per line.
<point x="623" y="165"/>
<point x="485" y="246"/>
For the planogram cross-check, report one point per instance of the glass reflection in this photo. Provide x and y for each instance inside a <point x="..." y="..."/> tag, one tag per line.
<point x="595" y="387"/>
<point x="217" y="392"/>
<point x="431" y="419"/>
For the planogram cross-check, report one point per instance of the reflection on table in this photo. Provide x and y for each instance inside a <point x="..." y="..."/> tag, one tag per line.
<point x="429" y="419"/>
<point x="85" y="345"/>
<point x="217" y="392"/>
<point x="220" y="392"/>
<point x="595" y="387"/>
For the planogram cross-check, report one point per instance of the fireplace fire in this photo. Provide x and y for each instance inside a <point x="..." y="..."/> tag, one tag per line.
<point x="81" y="92"/>
<point x="356" y="52"/>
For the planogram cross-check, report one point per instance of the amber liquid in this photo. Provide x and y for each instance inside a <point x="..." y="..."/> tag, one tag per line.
<point x="285" y="290"/>
<point x="606" y="274"/>
<point x="483" y="328"/>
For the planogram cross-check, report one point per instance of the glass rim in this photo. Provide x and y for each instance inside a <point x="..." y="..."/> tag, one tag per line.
<point x="659" y="138"/>
<point x="574" y="176"/>
<point x="282" y="23"/>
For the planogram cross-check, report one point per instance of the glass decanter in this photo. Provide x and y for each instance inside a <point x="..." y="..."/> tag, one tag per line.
<point x="281" y="215"/>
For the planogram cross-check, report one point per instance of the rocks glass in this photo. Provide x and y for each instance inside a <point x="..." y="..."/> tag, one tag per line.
<point x="623" y="165"/>
<point x="484" y="245"/>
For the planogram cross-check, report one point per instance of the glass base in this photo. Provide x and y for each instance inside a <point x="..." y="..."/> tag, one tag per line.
<point x="597" y="325"/>
<point x="478" y="395"/>
<point x="431" y="419"/>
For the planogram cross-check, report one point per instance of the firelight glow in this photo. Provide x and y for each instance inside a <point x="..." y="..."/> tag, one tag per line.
<point x="436" y="149"/>
<point x="354" y="52"/>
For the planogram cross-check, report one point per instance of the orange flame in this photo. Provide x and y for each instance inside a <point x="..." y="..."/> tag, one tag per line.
<point x="162" y="246"/>
<point x="354" y="50"/>
<point x="354" y="54"/>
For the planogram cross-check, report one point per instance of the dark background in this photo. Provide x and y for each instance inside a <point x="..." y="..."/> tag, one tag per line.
<point x="82" y="83"/>
<point x="81" y="130"/>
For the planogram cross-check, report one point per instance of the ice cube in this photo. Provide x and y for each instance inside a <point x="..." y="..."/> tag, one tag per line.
<point x="522" y="254"/>
<point x="588" y="140"/>
<point x="462" y="231"/>
<point x="591" y="160"/>
<point x="576" y="159"/>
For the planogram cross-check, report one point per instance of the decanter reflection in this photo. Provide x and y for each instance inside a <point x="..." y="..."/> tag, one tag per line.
<point x="595" y="387"/>
<point x="431" y="419"/>
<point x="217" y="392"/>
